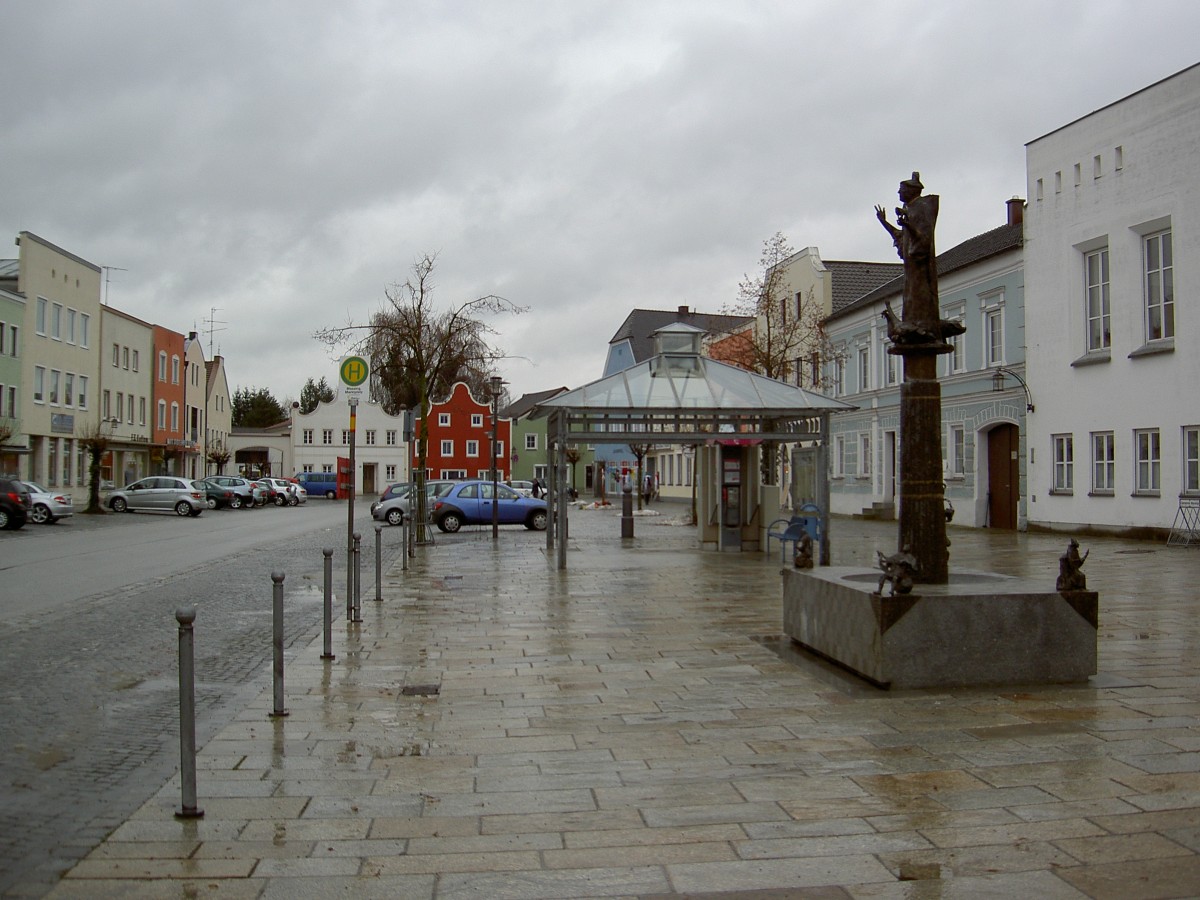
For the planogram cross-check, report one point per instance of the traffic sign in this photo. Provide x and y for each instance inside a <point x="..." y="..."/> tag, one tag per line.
<point x="353" y="372"/>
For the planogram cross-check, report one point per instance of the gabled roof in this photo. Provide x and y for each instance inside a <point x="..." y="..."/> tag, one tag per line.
<point x="971" y="251"/>
<point x="526" y="402"/>
<point x="850" y="280"/>
<point x="639" y="326"/>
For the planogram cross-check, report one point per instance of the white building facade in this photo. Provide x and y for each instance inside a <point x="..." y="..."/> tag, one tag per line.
<point x="1111" y="230"/>
<point x="321" y="437"/>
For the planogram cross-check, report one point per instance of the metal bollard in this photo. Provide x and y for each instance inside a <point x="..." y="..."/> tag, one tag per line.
<point x="185" y="616"/>
<point x="357" y="577"/>
<point x="277" y="604"/>
<point x="328" y="654"/>
<point x="378" y="563"/>
<point x="404" y="539"/>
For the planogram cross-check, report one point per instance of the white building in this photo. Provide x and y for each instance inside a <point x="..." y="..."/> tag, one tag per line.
<point x="1112" y="226"/>
<point x="321" y="437"/>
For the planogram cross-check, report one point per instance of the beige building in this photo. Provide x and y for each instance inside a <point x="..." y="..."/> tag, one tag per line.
<point x="218" y="416"/>
<point x="60" y="360"/>
<point x="126" y="368"/>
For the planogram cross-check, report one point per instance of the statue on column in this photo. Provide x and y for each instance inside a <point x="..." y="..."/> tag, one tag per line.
<point x="919" y="324"/>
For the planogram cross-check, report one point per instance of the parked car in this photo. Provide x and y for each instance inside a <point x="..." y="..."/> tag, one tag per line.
<point x="524" y="488"/>
<point x="216" y="495"/>
<point x="14" y="504"/>
<point x="471" y="503"/>
<point x="287" y="493"/>
<point x="46" y="507"/>
<point x="161" y="493"/>
<point x="268" y="493"/>
<point x="319" y="484"/>
<point x="400" y="504"/>
<point x="245" y="493"/>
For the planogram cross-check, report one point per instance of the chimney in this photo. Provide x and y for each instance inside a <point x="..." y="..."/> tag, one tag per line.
<point x="683" y="311"/>
<point x="1016" y="211"/>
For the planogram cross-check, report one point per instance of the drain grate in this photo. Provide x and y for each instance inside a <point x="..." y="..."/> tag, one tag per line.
<point x="421" y="690"/>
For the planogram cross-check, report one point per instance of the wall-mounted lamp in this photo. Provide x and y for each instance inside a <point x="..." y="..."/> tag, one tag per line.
<point x="999" y="388"/>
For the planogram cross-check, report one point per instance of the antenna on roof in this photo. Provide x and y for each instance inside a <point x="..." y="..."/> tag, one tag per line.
<point x="212" y="322"/>
<point x="108" y="269"/>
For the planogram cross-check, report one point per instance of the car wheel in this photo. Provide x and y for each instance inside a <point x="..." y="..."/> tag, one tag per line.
<point x="119" y="505"/>
<point x="280" y="500"/>
<point x="5" y="521"/>
<point x="195" y="512"/>
<point x="537" y="520"/>
<point x="235" y="502"/>
<point x="395" y="517"/>
<point x="40" y="514"/>
<point x="260" y="501"/>
<point x="450" y="522"/>
<point x="211" y="502"/>
<point x="330" y="495"/>
<point x="295" y="501"/>
<point x="183" y="508"/>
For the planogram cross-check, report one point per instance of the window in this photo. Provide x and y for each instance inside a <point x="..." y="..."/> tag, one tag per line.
<point x="956" y="451"/>
<point x="135" y="361"/>
<point x="447" y="448"/>
<point x="864" y="454"/>
<point x="453" y="474"/>
<point x="956" y="361"/>
<point x="993" y="337"/>
<point x="13" y="412"/>
<point x="389" y="437"/>
<point x="54" y="377"/>
<point x="476" y="420"/>
<point x="1095" y="268"/>
<point x="131" y="409"/>
<point x="13" y="344"/>
<point x="531" y="441"/>
<point x="389" y="472"/>
<point x="1191" y="458"/>
<point x="40" y="325"/>
<point x="174" y="416"/>
<point x="1064" y="463"/>
<point x="162" y="365"/>
<point x="120" y="406"/>
<point x="1103" y="462"/>
<point x="1149" y="460"/>
<point x="71" y="326"/>
<point x="81" y="395"/>
<point x="891" y="365"/>
<point x="443" y="420"/>
<point x="125" y="357"/>
<point x="472" y="448"/>
<point x="346" y="436"/>
<point x="68" y="389"/>
<point x="839" y="376"/>
<point x="326" y="468"/>
<point x="1160" y="287"/>
<point x="864" y="368"/>
<point x="85" y="322"/>
<point x="116" y="355"/>
<point x="2" y="404"/>
<point x="56" y="311"/>
<point x="326" y="435"/>
<point x="105" y="404"/>
<point x="141" y="410"/>
<point x="499" y="449"/>
<point x="839" y="456"/>
<point x="162" y="413"/>
<point x="174" y="370"/>
<point x="307" y="436"/>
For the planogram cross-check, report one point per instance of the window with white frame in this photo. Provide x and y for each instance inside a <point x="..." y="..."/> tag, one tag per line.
<point x="956" y="450"/>
<point x="346" y="436"/>
<point x="174" y="369"/>
<point x="306" y="436"/>
<point x="13" y="412"/>
<point x="141" y="410"/>
<point x="326" y="435"/>
<point x="839" y="375"/>
<point x="453" y="474"/>
<point x="56" y="311"/>
<point x="531" y="441"/>
<point x="54" y="378"/>
<point x="71" y="325"/>
<point x="993" y="336"/>
<point x="105" y="404"/>
<point x="81" y="392"/>
<point x="443" y="420"/>
<point x="1095" y="277"/>
<point x="326" y="468"/>
<point x="134" y="364"/>
<point x="174" y="416"/>
<point x="864" y="368"/>
<point x="1064" y="463"/>
<point x="839" y="456"/>
<point x="447" y="448"/>
<point x="1148" y="457"/>
<point x="120" y="406"/>
<point x="1160" y="287"/>
<point x="306" y="467"/>
<point x="40" y="323"/>
<point x="162" y="413"/>
<point x="85" y="322"/>
<point x="389" y="437"/>
<point x="472" y="448"/>
<point x="864" y="454"/>
<point x="1191" y="459"/>
<point x="1104" y="462"/>
<point x="956" y="361"/>
<point x="499" y="449"/>
<point x="891" y="365"/>
<point x="116" y="356"/>
<point x="389" y="472"/>
<point x="68" y="389"/>
<point x="476" y="420"/>
<point x="162" y="365"/>
<point x="370" y="437"/>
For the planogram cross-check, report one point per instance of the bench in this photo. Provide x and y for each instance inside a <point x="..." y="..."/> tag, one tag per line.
<point x="789" y="531"/>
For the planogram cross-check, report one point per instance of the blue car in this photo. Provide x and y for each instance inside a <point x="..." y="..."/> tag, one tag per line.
<point x="471" y="503"/>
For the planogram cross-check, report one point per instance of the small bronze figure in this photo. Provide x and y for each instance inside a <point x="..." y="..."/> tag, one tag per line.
<point x="1070" y="569"/>
<point x="898" y="570"/>
<point x="803" y="557"/>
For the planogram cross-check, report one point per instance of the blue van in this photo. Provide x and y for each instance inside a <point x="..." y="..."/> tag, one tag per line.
<point x="319" y="484"/>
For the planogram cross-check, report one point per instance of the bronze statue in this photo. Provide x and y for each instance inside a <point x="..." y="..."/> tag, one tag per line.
<point x="803" y="557"/>
<point x="898" y="571"/>
<point x="1070" y="569"/>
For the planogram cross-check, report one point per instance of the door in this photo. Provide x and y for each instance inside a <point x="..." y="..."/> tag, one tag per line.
<point x="889" y="466"/>
<point x="731" y="498"/>
<point x="1003" y="476"/>
<point x="369" y="478"/>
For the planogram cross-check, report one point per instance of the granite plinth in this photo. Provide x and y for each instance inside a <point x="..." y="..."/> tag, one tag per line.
<point x="979" y="629"/>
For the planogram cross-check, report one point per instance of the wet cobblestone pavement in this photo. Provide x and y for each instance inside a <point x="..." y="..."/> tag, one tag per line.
<point x="635" y="727"/>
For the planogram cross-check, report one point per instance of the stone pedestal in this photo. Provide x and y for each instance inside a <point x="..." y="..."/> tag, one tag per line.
<point x="977" y="629"/>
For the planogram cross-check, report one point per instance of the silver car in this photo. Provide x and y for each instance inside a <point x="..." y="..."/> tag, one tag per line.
<point x="46" y="506"/>
<point x="160" y="493"/>
<point x="398" y="507"/>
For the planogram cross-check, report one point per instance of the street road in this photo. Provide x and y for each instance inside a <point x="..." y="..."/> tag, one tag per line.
<point x="89" y="696"/>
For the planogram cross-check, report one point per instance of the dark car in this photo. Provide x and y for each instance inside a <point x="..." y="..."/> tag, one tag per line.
<point x="14" y="504"/>
<point x="245" y="494"/>
<point x="471" y="503"/>
<point x="216" y="495"/>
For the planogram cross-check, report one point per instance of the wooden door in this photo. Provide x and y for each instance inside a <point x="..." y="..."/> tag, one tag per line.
<point x="1003" y="476"/>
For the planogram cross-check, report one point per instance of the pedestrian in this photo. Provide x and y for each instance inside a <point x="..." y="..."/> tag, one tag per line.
<point x="536" y="490"/>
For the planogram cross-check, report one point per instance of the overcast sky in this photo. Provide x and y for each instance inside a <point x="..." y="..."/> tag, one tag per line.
<point x="282" y="163"/>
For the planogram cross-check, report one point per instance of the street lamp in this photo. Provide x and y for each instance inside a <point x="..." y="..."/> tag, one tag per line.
<point x="497" y="385"/>
<point x="999" y="388"/>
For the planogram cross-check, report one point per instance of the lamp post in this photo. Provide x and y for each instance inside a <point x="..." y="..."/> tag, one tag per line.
<point x="497" y="385"/>
<point x="998" y="385"/>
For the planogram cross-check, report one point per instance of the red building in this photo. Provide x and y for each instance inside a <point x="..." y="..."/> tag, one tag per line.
<point x="460" y="435"/>
<point x="167" y="444"/>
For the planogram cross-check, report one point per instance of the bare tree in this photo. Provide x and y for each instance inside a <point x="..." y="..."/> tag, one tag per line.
<point x="572" y="456"/>
<point x="639" y="451"/>
<point x="417" y="352"/>
<point x="219" y="455"/>
<point x="96" y="442"/>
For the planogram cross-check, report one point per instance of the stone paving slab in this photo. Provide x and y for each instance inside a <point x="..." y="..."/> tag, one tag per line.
<point x="635" y="727"/>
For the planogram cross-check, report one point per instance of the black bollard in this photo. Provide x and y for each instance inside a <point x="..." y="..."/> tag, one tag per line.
<point x="378" y="563"/>
<point x="627" y="510"/>
<point x="185" y="616"/>
<point x="328" y="554"/>
<point x="357" y="617"/>
<point x="277" y="642"/>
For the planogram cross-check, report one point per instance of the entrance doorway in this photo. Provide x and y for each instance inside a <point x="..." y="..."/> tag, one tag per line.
<point x="369" y="478"/>
<point x="1003" y="476"/>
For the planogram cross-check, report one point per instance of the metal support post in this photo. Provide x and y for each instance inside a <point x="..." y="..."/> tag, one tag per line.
<point x="277" y="641"/>
<point x="185" y="616"/>
<point x="406" y="537"/>
<point x="328" y="554"/>
<point x="357" y="579"/>
<point x="378" y="563"/>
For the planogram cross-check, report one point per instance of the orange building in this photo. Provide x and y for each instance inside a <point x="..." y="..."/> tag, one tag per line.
<point x="460" y="435"/>
<point x="167" y="443"/>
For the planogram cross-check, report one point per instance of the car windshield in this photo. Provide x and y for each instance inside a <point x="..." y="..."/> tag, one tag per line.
<point x="33" y="487"/>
